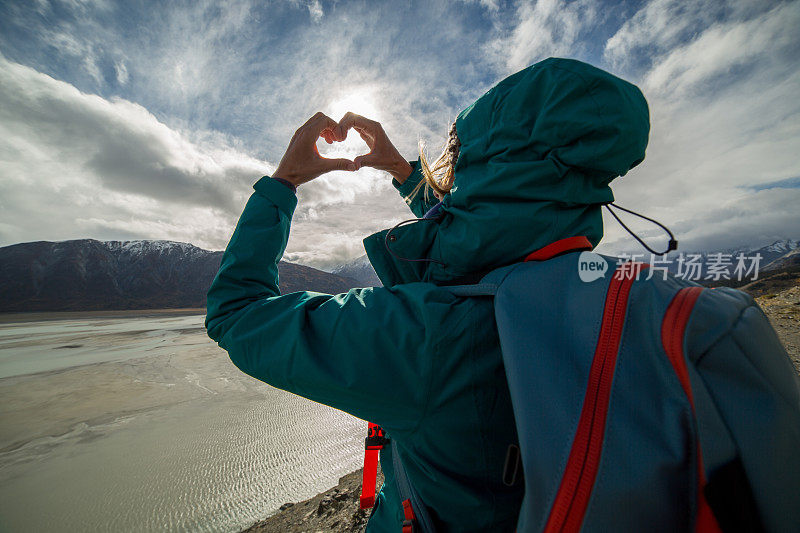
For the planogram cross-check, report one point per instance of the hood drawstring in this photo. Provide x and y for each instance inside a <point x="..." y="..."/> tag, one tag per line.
<point x="671" y="245"/>
<point x="391" y="238"/>
<point x="433" y="215"/>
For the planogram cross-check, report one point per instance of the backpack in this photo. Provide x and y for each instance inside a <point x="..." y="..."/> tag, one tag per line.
<point x="642" y="401"/>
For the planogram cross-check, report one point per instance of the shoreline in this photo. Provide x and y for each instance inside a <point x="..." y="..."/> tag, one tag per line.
<point x="42" y="316"/>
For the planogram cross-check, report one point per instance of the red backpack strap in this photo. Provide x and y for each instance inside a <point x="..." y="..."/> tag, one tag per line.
<point x="673" y="329"/>
<point x="570" y="244"/>
<point x="373" y="444"/>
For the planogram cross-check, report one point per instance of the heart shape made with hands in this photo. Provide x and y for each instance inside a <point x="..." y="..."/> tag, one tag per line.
<point x="370" y="131"/>
<point x="302" y="161"/>
<point x="351" y="147"/>
<point x="382" y="154"/>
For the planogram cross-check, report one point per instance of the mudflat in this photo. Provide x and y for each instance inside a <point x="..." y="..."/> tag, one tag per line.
<point x="137" y="421"/>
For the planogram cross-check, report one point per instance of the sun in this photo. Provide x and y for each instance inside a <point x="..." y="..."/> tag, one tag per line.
<point x="359" y="100"/>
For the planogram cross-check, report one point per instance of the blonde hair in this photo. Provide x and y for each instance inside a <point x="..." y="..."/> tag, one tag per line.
<point x="438" y="178"/>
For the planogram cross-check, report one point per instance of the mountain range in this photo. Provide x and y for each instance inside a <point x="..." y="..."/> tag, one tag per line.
<point x="86" y="274"/>
<point x="772" y="257"/>
<point x="780" y="254"/>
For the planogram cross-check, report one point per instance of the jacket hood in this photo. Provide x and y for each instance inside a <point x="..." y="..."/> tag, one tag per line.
<point x="538" y="152"/>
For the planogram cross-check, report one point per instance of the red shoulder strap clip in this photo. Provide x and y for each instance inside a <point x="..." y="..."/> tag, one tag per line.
<point x="410" y="517"/>
<point x="373" y="444"/>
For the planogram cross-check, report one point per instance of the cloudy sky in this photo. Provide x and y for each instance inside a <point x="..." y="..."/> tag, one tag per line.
<point x="136" y="119"/>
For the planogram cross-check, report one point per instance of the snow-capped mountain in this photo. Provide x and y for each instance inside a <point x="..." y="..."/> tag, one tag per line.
<point x="360" y="270"/>
<point x="789" y="260"/>
<point x="87" y="274"/>
<point x="781" y="246"/>
<point x="772" y="252"/>
<point x="154" y="246"/>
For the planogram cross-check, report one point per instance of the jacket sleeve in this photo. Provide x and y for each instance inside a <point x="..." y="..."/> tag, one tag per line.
<point x="419" y="205"/>
<point x="366" y="352"/>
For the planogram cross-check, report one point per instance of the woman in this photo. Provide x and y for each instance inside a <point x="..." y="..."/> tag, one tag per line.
<point x="527" y="164"/>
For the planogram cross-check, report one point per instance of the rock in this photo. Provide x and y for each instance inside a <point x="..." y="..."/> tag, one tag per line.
<point x="324" y="505"/>
<point x="335" y="510"/>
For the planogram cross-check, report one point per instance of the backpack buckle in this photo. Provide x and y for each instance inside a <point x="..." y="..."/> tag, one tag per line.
<point x="376" y="438"/>
<point x="410" y="517"/>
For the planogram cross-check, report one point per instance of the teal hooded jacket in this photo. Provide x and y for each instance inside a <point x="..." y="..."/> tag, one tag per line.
<point x="538" y="152"/>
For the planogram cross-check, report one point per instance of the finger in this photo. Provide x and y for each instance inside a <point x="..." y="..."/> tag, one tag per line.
<point x="336" y="164"/>
<point x="352" y="120"/>
<point x="314" y="126"/>
<point x="366" y="138"/>
<point x="311" y="119"/>
<point x="321" y="122"/>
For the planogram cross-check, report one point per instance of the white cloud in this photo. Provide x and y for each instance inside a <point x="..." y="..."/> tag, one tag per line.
<point x="85" y="163"/>
<point x="491" y="6"/>
<point x="85" y="5"/>
<point x="658" y="26"/>
<point x="542" y="29"/>
<point x="109" y="169"/>
<point x="722" y="48"/>
<point x="749" y="219"/>
<point x="315" y="10"/>
<point x="725" y="118"/>
<point x="122" y="72"/>
<point x="77" y="50"/>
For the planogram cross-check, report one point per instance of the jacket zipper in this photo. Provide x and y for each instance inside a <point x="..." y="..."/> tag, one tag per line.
<point x="572" y="498"/>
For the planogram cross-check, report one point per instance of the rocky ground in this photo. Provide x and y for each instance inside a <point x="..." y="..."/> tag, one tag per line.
<point x="333" y="510"/>
<point x="337" y="509"/>
<point x="783" y="310"/>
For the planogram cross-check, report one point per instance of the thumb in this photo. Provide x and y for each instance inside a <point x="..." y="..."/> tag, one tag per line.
<point x="339" y="164"/>
<point x="365" y="160"/>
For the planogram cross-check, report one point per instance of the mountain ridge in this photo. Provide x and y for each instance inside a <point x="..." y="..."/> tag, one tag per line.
<point x="89" y="274"/>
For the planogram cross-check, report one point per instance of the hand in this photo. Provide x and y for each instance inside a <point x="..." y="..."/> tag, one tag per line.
<point x="301" y="162"/>
<point x="383" y="155"/>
